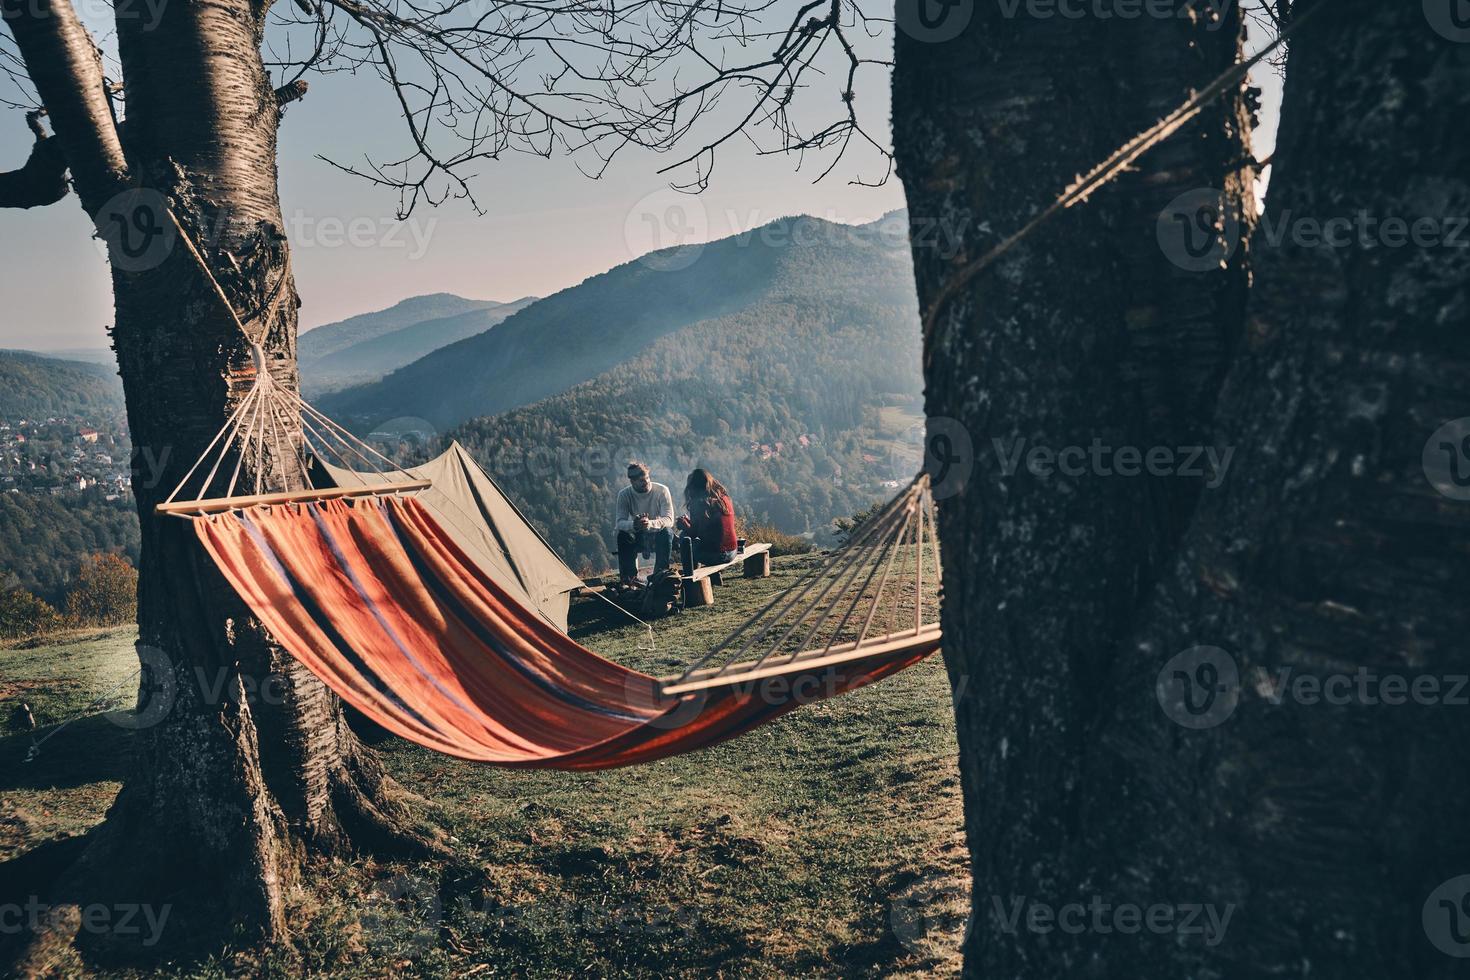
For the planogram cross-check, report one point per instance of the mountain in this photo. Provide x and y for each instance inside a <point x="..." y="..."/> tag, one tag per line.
<point x="369" y="358"/>
<point x="805" y="399"/>
<point x="580" y="332"/>
<point x="331" y="337"/>
<point x="33" y="386"/>
<point x="91" y="355"/>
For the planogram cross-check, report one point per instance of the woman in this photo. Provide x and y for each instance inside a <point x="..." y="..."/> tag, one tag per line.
<point x="709" y="527"/>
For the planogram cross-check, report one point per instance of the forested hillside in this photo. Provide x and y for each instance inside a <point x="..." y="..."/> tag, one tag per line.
<point x="362" y="349"/>
<point x="804" y="403"/>
<point x="43" y="539"/>
<point x="32" y="386"/>
<point x="581" y="332"/>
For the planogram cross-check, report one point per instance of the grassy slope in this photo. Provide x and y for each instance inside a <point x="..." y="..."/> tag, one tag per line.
<point x="784" y="852"/>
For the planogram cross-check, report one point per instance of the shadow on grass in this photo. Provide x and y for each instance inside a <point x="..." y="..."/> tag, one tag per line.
<point x="23" y="880"/>
<point x="84" y="751"/>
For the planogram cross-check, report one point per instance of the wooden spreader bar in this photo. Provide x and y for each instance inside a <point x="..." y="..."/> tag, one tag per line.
<point x="712" y="677"/>
<point x="220" y="504"/>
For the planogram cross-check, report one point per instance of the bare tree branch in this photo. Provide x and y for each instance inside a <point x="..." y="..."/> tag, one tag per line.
<point x="591" y="78"/>
<point x="66" y="69"/>
<point x="42" y="180"/>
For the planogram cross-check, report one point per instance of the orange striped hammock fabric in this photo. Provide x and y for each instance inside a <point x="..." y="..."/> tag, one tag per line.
<point x="379" y="602"/>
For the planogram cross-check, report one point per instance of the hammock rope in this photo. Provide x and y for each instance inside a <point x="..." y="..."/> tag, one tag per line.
<point x="841" y="580"/>
<point x="1111" y="167"/>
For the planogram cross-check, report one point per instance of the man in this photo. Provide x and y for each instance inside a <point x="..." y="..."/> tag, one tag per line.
<point x="645" y="520"/>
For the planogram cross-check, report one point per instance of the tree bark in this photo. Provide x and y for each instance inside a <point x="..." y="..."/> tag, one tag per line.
<point x="1083" y="334"/>
<point x="244" y="762"/>
<point x="1329" y="554"/>
<point x="1322" y="829"/>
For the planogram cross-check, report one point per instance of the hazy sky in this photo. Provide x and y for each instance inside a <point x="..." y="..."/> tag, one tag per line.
<point x="547" y="226"/>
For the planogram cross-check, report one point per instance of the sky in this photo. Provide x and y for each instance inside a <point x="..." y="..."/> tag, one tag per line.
<point x="547" y="225"/>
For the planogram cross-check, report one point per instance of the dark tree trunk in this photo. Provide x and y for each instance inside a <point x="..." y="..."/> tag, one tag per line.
<point x="1322" y="829"/>
<point x="244" y="762"/>
<point x="1084" y="332"/>
<point x="1328" y="552"/>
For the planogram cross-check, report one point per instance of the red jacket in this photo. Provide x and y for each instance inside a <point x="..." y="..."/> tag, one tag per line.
<point x="714" y="524"/>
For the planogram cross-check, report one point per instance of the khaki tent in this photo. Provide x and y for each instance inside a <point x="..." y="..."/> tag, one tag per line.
<point x="483" y="521"/>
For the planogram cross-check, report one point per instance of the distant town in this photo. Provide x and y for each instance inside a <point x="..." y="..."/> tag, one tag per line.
<point x="65" y="456"/>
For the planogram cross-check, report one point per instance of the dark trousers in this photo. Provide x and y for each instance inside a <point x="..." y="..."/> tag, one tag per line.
<point x="630" y="543"/>
<point x="694" y="552"/>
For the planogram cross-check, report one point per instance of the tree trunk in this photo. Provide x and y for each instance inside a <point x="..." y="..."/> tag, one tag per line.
<point x="1084" y="335"/>
<point x="1322" y="830"/>
<point x="1331" y="557"/>
<point x="244" y="763"/>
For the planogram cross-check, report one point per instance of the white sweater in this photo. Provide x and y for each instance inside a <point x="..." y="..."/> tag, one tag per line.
<point x="657" y="505"/>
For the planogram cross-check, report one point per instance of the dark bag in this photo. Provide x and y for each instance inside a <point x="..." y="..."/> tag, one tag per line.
<point x="664" y="595"/>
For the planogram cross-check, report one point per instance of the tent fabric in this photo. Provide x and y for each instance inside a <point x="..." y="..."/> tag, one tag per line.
<point x="476" y="513"/>
<point x="392" y="613"/>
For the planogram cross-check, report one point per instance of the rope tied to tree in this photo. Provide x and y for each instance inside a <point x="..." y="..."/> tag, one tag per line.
<point x="793" y="626"/>
<point x="1109" y="169"/>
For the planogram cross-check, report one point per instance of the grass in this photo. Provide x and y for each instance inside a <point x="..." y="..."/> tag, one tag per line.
<point x="826" y="844"/>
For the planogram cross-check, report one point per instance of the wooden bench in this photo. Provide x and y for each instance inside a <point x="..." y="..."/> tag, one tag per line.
<point x="699" y="586"/>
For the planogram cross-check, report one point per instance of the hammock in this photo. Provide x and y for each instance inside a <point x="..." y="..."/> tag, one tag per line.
<point x="371" y="592"/>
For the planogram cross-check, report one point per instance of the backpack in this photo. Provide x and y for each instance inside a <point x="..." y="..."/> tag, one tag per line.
<point x="664" y="595"/>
